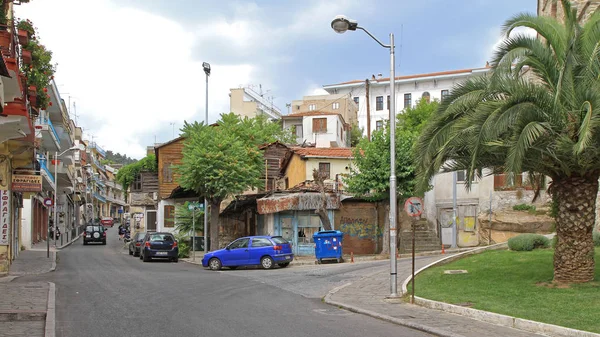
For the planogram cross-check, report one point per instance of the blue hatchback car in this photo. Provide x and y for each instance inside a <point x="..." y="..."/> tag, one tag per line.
<point x="265" y="251"/>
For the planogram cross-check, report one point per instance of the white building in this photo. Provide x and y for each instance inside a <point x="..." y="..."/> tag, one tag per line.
<point x="321" y="129"/>
<point x="409" y="90"/>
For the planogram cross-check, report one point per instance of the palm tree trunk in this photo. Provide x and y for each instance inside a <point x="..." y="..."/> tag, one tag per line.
<point x="574" y="252"/>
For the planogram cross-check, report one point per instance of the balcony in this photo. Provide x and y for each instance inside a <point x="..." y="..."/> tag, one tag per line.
<point x="44" y="129"/>
<point x="97" y="164"/>
<point x="99" y="197"/>
<point x="48" y="178"/>
<point x="101" y="152"/>
<point x="15" y="122"/>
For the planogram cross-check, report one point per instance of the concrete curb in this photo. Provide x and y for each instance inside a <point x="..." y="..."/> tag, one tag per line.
<point x="490" y="317"/>
<point x="69" y="243"/>
<point x="399" y="321"/>
<point x="50" y="327"/>
<point x="454" y="257"/>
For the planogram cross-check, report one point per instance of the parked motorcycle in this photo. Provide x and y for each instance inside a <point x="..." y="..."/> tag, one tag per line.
<point x="52" y="233"/>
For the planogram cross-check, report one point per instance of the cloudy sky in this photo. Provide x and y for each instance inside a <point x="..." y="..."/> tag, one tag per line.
<point x="132" y="69"/>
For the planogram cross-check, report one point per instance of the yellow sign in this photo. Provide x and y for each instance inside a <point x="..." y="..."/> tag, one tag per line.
<point x="26" y="183"/>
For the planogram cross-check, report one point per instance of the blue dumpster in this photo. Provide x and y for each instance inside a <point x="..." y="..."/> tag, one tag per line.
<point x="328" y="245"/>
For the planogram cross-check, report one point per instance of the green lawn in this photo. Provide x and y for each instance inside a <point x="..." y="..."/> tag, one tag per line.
<point x="515" y="284"/>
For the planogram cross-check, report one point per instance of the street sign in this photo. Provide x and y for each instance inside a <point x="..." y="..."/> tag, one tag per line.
<point x="120" y="211"/>
<point x="414" y="206"/>
<point x="195" y="205"/>
<point x="48" y="202"/>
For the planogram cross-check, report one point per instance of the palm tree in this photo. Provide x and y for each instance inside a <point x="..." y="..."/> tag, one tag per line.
<point x="538" y="112"/>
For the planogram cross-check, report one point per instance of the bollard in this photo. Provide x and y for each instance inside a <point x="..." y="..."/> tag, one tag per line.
<point x="351" y="257"/>
<point x="443" y="251"/>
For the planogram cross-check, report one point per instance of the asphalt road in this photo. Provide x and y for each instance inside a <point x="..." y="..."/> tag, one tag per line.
<point x="102" y="291"/>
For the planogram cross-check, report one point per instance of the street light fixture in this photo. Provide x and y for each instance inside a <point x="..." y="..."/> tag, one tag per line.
<point x="340" y="25"/>
<point x="206" y="67"/>
<point x="56" y="155"/>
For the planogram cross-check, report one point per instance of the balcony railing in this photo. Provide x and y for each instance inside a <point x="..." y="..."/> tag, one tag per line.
<point x="99" y="197"/>
<point x="44" y="168"/>
<point x="45" y="120"/>
<point x="94" y="145"/>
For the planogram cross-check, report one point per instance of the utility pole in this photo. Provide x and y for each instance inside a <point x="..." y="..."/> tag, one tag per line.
<point x="368" y="109"/>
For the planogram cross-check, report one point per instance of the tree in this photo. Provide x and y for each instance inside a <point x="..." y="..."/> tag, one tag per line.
<point x="370" y="171"/>
<point x="224" y="160"/>
<point x="183" y="219"/>
<point x="127" y="174"/>
<point x="539" y="113"/>
<point x="356" y="134"/>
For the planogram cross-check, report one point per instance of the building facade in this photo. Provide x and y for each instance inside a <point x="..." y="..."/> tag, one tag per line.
<point x="245" y="102"/>
<point x="335" y="103"/>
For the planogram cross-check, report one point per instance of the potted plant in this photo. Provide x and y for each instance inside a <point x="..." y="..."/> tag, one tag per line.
<point x="25" y="31"/>
<point x="26" y="56"/>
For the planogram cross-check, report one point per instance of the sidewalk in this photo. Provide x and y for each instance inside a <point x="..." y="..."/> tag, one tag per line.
<point x="368" y="296"/>
<point x="28" y="309"/>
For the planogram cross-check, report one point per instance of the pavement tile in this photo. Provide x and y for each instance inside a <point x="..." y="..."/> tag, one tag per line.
<point x="22" y="329"/>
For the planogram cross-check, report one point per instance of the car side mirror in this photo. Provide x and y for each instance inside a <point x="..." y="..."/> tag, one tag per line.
<point x="228" y="248"/>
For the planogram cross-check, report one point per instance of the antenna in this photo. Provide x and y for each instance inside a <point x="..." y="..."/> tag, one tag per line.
<point x="173" y="125"/>
<point x="75" y="112"/>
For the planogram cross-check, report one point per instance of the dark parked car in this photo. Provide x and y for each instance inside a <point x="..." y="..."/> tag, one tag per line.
<point x="136" y="244"/>
<point x="265" y="251"/>
<point x="94" y="233"/>
<point x="159" y="245"/>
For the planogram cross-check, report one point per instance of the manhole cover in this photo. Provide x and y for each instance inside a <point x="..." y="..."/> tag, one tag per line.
<point x="451" y="272"/>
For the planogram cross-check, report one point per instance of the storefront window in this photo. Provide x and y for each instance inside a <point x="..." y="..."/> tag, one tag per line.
<point x="308" y="224"/>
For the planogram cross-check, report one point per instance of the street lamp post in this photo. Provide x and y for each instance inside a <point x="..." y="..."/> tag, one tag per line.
<point x="56" y="155"/>
<point x="206" y="67"/>
<point x="340" y="25"/>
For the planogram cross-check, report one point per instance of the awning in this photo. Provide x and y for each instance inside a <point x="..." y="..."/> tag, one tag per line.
<point x="295" y="202"/>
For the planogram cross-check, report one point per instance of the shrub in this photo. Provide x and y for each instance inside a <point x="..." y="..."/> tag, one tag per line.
<point x="528" y="242"/>
<point x="524" y="207"/>
<point x="183" y="245"/>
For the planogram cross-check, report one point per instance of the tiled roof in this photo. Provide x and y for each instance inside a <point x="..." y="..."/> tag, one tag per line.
<point x="408" y="77"/>
<point x="333" y="152"/>
<point x="310" y="113"/>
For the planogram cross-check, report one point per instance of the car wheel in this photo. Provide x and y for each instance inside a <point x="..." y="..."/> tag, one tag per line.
<point x="140" y="255"/>
<point x="136" y="254"/>
<point x="214" y="264"/>
<point x="130" y="252"/>
<point x="176" y="259"/>
<point x="283" y="265"/>
<point x="266" y="262"/>
<point x="145" y="258"/>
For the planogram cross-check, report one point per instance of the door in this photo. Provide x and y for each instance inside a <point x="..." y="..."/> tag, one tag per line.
<point x="151" y="221"/>
<point x="286" y="226"/>
<point x="445" y="225"/>
<point x="237" y="253"/>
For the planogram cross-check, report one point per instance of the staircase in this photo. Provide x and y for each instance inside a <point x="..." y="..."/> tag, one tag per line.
<point x="426" y="240"/>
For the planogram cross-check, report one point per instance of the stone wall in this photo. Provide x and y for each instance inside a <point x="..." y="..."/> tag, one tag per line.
<point x="359" y="221"/>
<point x="553" y="8"/>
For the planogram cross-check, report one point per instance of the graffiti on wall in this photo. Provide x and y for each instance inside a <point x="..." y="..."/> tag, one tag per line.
<point x="359" y="228"/>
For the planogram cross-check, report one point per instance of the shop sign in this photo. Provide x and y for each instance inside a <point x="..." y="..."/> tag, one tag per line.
<point x="4" y="217"/>
<point x="26" y="183"/>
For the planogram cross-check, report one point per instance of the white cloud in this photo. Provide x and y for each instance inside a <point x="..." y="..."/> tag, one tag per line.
<point x="130" y="72"/>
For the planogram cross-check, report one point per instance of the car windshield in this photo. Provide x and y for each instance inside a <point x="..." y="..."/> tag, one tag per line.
<point x="139" y="236"/>
<point x="161" y="237"/>
<point x="279" y="240"/>
<point x="93" y="228"/>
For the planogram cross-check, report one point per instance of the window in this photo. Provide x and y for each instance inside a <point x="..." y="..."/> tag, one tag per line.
<point x="279" y="240"/>
<point x="137" y="183"/>
<point x="312" y="107"/>
<point x="167" y="172"/>
<point x="388" y="102"/>
<point x="169" y="216"/>
<point x="426" y="96"/>
<point x="379" y="125"/>
<point x="261" y="242"/>
<point x="325" y="170"/>
<point x="335" y="105"/>
<point x="461" y="176"/>
<point x="298" y="130"/>
<point x="161" y="237"/>
<point x="407" y="100"/>
<point x="379" y="103"/>
<point x="355" y="100"/>
<point x="239" y="243"/>
<point x="445" y="93"/>
<point x="319" y="125"/>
